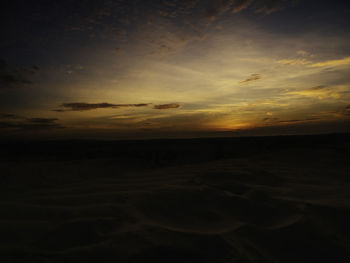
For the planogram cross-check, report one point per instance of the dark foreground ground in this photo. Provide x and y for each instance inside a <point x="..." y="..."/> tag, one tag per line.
<point x="267" y="199"/>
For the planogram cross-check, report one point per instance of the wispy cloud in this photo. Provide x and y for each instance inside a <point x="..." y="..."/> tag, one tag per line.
<point x="9" y="116"/>
<point x="252" y="78"/>
<point x="327" y="63"/>
<point x="332" y="63"/>
<point x="83" y="106"/>
<point x="268" y="119"/>
<point x="15" y="122"/>
<point x="320" y="92"/>
<point x="271" y="6"/>
<point x="240" y="5"/>
<point x="296" y="61"/>
<point x="346" y="111"/>
<point x="217" y="7"/>
<point x="299" y="120"/>
<point x="11" y="78"/>
<point x="167" y="106"/>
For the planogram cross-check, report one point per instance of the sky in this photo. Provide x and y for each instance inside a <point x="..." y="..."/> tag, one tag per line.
<point x="130" y="69"/>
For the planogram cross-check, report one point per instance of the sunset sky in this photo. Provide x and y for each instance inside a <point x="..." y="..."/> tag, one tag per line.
<point x="116" y="69"/>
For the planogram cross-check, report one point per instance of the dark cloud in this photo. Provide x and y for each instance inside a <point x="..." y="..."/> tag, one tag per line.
<point x="290" y="121"/>
<point x="9" y="116"/>
<point x="270" y="119"/>
<point x="252" y="78"/>
<point x="138" y="105"/>
<point x="346" y="111"/>
<point x="35" y="67"/>
<point x="271" y="6"/>
<point x="42" y="120"/>
<point x="167" y="106"/>
<point x="15" y="122"/>
<point x="321" y="87"/>
<point x="34" y="70"/>
<point x="300" y="120"/>
<point x="240" y="5"/>
<point x="83" y="106"/>
<point x="116" y="19"/>
<point x="3" y="65"/>
<point x="11" y="78"/>
<point x="218" y="6"/>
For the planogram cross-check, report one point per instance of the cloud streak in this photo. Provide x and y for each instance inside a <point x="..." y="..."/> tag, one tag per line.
<point x="13" y="78"/>
<point x="305" y="62"/>
<point x="270" y="6"/>
<point x="19" y="123"/>
<point x="346" y="111"/>
<point x="320" y="92"/>
<point x="332" y="63"/>
<point x="83" y="106"/>
<point x="240" y="5"/>
<point x="217" y="7"/>
<point x="252" y="78"/>
<point x="167" y="106"/>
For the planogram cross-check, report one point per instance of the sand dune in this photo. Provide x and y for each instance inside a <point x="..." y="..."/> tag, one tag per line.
<point x="285" y="205"/>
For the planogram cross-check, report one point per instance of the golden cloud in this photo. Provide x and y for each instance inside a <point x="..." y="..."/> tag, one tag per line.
<point x="320" y="92"/>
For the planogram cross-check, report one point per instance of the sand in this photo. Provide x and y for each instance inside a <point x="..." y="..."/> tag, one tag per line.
<point x="276" y="205"/>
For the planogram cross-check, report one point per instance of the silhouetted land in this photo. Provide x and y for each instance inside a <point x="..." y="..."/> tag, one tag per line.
<point x="253" y="199"/>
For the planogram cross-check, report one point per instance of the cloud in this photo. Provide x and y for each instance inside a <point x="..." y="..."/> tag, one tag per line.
<point x="299" y="120"/>
<point x="83" y="106"/>
<point x="346" y="111"/>
<point x="34" y="70"/>
<point x="217" y="7"/>
<point x="332" y="63"/>
<point x="252" y="78"/>
<point x="270" y="119"/>
<point x="9" y="116"/>
<point x="240" y="5"/>
<point x="304" y="53"/>
<point x="277" y="120"/>
<point x="42" y="120"/>
<point x="15" y="122"/>
<point x="320" y="92"/>
<point x="297" y="61"/>
<point x="167" y="106"/>
<point x="11" y="78"/>
<point x="270" y="6"/>
<point x="3" y="65"/>
<point x="35" y="67"/>
<point x="328" y="63"/>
